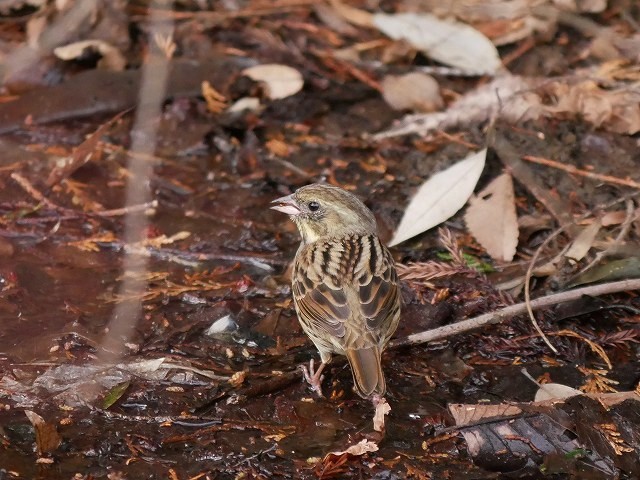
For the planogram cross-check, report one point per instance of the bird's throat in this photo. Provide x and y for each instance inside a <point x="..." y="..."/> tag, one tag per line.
<point x="310" y="231"/>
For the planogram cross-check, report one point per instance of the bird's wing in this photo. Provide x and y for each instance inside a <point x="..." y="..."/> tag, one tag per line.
<point x="337" y="280"/>
<point x="321" y="299"/>
<point x="378" y="291"/>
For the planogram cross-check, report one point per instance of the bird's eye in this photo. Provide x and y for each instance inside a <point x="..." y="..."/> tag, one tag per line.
<point x="314" y="206"/>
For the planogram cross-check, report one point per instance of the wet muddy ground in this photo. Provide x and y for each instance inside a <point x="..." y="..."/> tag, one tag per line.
<point x="213" y="177"/>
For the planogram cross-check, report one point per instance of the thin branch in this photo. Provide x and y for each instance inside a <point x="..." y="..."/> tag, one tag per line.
<point x="626" y="182"/>
<point x="83" y="152"/>
<point x="116" y="212"/>
<point x="527" y="284"/>
<point x="513" y="310"/>
<point x="36" y="194"/>
<point x="534" y="259"/>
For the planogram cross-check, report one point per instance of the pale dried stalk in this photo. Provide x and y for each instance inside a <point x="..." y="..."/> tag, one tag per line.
<point x="513" y="310"/>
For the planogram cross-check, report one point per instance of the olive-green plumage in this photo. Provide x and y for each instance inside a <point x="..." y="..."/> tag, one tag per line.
<point x="344" y="282"/>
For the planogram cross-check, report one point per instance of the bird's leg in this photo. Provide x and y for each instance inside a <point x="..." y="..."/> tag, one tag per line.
<point x="314" y="377"/>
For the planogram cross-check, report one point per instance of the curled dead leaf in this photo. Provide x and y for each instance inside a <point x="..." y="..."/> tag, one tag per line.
<point x="281" y="81"/>
<point x="238" y="378"/>
<point x="382" y="408"/>
<point x="112" y="59"/>
<point x="613" y="110"/>
<point x="249" y="104"/>
<point x="360" y="448"/>
<point x="414" y="91"/>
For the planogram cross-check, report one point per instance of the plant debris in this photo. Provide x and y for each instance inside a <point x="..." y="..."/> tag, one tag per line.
<point x="145" y="291"/>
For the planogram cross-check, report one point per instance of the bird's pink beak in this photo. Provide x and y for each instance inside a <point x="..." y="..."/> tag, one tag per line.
<point x="286" y="205"/>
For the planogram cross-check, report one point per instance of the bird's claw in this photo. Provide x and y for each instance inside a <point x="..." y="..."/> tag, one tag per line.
<point x="313" y="377"/>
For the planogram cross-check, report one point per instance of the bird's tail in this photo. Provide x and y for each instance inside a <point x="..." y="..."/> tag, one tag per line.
<point x="367" y="372"/>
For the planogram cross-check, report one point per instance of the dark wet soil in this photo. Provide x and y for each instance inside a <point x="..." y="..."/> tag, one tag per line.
<point x="214" y="179"/>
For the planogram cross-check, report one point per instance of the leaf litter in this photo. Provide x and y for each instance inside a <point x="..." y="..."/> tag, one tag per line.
<point x="440" y="197"/>
<point x="215" y="188"/>
<point x="491" y="218"/>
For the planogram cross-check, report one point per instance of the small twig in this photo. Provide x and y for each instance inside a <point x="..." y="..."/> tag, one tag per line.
<point x="248" y="459"/>
<point x="83" y="152"/>
<point x="36" y="194"/>
<point x="209" y="423"/>
<point x="254" y="259"/>
<point x="11" y="166"/>
<point x="204" y="373"/>
<point x="274" y="9"/>
<point x="583" y="173"/>
<point x="513" y="310"/>
<point x="69" y="214"/>
<point x="290" y="166"/>
<point x="457" y="139"/>
<point x="595" y="348"/>
<point x="117" y="212"/>
<point x="159" y="419"/>
<point x="355" y="72"/>
<point x="527" y="283"/>
<point x="532" y="263"/>
<point x="524" y="47"/>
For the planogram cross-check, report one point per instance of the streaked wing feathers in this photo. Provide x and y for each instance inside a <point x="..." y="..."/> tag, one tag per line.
<point x="379" y="296"/>
<point x="359" y="268"/>
<point x="324" y="308"/>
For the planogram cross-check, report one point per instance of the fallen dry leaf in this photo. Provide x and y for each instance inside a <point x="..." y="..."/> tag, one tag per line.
<point x="555" y="391"/>
<point x="440" y="197"/>
<point x="382" y="408"/>
<point x="47" y="437"/>
<point x="449" y="42"/>
<point x="250" y="104"/>
<point x="519" y="99"/>
<point x="8" y="5"/>
<point x="328" y="15"/>
<point x="281" y="80"/>
<point x="583" y="242"/>
<point x="491" y="218"/>
<point x="216" y="102"/>
<point x="616" y="217"/>
<point x="112" y="59"/>
<point x="352" y="15"/>
<point x="613" y="110"/>
<point x="360" y="448"/>
<point x="507" y="96"/>
<point x="161" y="240"/>
<point x="414" y="91"/>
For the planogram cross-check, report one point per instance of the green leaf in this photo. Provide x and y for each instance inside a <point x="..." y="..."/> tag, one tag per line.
<point x="471" y="261"/>
<point x="114" y="394"/>
<point x="577" y="453"/>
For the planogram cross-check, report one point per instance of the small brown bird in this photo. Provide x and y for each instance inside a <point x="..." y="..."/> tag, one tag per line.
<point x="345" y="285"/>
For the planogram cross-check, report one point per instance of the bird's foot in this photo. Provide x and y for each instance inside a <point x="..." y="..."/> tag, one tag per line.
<point x="314" y="377"/>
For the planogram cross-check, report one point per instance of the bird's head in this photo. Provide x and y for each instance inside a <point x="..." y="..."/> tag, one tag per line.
<point x="324" y="211"/>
